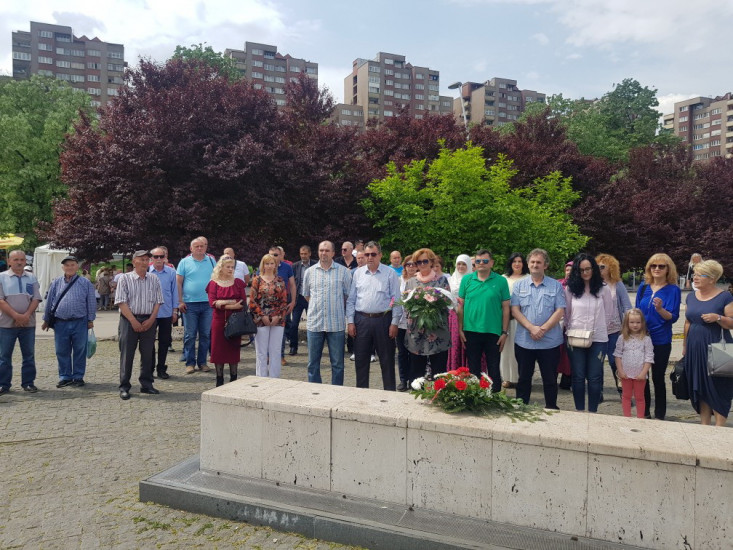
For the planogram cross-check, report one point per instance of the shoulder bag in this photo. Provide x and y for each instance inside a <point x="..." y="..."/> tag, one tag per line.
<point x="678" y="376"/>
<point x="52" y="315"/>
<point x="720" y="358"/>
<point x="582" y="338"/>
<point x="239" y="324"/>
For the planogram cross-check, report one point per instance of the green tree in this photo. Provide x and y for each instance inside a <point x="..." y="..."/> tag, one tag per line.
<point x="223" y="65"/>
<point x="457" y="204"/>
<point x="35" y="116"/>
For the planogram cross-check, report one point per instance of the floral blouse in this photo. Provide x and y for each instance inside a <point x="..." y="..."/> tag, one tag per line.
<point x="422" y="342"/>
<point x="269" y="299"/>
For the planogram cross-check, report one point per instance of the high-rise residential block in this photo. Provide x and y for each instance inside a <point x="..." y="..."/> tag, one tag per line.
<point x="383" y="87"/>
<point x="495" y="102"/>
<point x="705" y="124"/>
<point x="268" y="70"/>
<point x="86" y="63"/>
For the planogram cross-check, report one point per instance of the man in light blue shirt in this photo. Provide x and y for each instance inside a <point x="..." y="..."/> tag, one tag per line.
<point x="193" y="274"/>
<point x="168" y="312"/>
<point x="326" y="285"/>
<point x="372" y="316"/>
<point x="538" y="305"/>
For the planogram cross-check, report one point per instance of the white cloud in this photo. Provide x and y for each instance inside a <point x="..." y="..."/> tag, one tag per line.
<point x="667" y="101"/>
<point x="573" y="56"/>
<point x="540" y="38"/>
<point x="333" y="79"/>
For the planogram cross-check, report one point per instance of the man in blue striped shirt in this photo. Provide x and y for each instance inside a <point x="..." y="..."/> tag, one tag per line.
<point x="74" y="315"/>
<point x="326" y="286"/>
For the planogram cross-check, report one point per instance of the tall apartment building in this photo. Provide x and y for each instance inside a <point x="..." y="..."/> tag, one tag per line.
<point x="379" y="88"/>
<point x="86" y="63"/>
<point x="269" y="70"/>
<point x="705" y="124"/>
<point x="495" y="102"/>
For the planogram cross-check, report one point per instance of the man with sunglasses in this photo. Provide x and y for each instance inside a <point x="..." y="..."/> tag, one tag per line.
<point x="168" y="312"/>
<point x="483" y="316"/>
<point x="372" y="316"/>
<point x="347" y="258"/>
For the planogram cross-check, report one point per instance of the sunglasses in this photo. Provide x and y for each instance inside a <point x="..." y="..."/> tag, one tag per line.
<point x="657" y="266"/>
<point x="371" y="254"/>
<point x="422" y="262"/>
<point x="409" y="264"/>
<point x="601" y="267"/>
<point x="482" y="261"/>
<point x="158" y="257"/>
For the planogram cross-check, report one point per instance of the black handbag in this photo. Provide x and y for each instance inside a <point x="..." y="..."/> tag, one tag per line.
<point x="680" y="389"/>
<point x="239" y="324"/>
<point x="52" y="314"/>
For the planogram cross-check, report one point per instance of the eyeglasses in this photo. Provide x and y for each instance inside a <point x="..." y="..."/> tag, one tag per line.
<point x="158" y="257"/>
<point x="658" y="266"/>
<point x="371" y="254"/>
<point x="422" y="262"/>
<point x="586" y="269"/>
<point x="482" y="260"/>
<point x="409" y="264"/>
<point x="601" y="267"/>
<point x="701" y="275"/>
<point x="345" y="248"/>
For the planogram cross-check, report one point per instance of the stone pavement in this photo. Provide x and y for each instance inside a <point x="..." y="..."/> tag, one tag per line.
<point x="71" y="458"/>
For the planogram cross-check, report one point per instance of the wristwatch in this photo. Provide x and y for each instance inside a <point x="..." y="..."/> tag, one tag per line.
<point x="505" y="332"/>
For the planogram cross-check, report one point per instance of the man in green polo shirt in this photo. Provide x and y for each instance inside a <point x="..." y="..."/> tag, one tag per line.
<point x="483" y="316"/>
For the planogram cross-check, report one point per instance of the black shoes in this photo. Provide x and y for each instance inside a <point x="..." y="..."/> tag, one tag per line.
<point x="3" y="391"/>
<point x="30" y="388"/>
<point x="401" y="386"/>
<point x="124" y="395"/>
<point x="64" y="383"/>
<point x="78" y="383"/>
<point x="293" y="351"/>
<point x="163" y="375"/>
<point x="151" y="390"/>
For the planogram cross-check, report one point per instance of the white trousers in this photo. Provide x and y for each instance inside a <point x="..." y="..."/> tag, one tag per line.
<point x="268" y="341"/>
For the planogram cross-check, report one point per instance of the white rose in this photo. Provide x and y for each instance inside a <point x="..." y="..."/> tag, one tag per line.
<point x="417" y="384"/>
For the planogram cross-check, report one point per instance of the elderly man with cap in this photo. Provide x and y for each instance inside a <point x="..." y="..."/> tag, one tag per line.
<point x="139" y="297"/>
<point x="19" y="298"/>
<point x="70" y="312"/>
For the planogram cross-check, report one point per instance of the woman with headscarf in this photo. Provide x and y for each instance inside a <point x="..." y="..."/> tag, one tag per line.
<point x="516" y="269"/>
<point x="457" y="351"/>
<point x="403" y="356"/>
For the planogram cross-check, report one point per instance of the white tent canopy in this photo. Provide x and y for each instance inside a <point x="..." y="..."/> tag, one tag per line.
<point x="46" y="267"/>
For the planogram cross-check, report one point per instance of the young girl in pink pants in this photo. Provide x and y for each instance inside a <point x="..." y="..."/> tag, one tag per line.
<point x="634" y="357"/>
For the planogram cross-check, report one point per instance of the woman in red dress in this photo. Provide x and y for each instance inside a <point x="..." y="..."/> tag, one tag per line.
<point x="226" y="295"/>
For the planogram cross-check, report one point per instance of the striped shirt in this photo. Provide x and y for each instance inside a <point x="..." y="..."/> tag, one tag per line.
<point x="19" y="292"/>
<point x="327" y="290"/>
<point x="139" y="293"/>
<point x="374" y="293"/>
<point x="78" y="303"/>
<point x="169" y="286"/>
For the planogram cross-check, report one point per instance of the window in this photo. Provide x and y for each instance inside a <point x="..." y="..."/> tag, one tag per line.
<point x="94" y="91"/>
<point x="77" y="65"/>
<point x="95" y="103"/>
<point x="256" y="74"/>
<point x="258" y="86"/>
<point x="115" y="67"/>
<point x="697" y="107"/>
<point x="389" y="61"/>
<point x="388" y="72"/>
<point x="44" y="72"/>
<point x="280" y="80"/>
<point x="389" y="82"/>
<point x="387" y="102"/>
<point x="446" y="104"/>
<point x="96" y="66"/>
<point x="683" y="119"/>
<point x="683" y="128"/>
<point x="433" y="87"/>
<point x="256" y="63"/>
<point x="359" y="113"/>
<point x="270" y="55"/>
<point x="716" y="121"/>
<point x="45" y="34"/>
<point x="388" y="113"/>
<point x="696" y="147"/>
<point x="373" y="112"/>
<point x="114" y="55"/>
<point x="23" y="56"/>
<point x="502" y="85"/>
<point x="93" y="77"/>
<point x="529" y="99"/>
<point x="94" y="53"/>
<point x="77" y="78"/>
<point x="65" y="64"/>
<point x="389" y="92"/>
<point x="489" y="112"/>
<point x="683" y="109"/>
<point x="269" y="67"/>
<point x="374" y="79"/>
<point x="280" y="69"/>
<point x="313" y="70"/>
<point x="112" y="91"/>
<point x="63" y="76"/>
<point x="294" y="69"/>
<point x="420" y="107"/>
<point x="46" y="60"/>
<point x="374" y="68"/>
<point x="45" y="47"/>
<point x="715" y="142"/>
<point x="373" y="89"/>
<point x="715" y="112"/>
<point x="434" y="77"/>
<point x="419" y="86"/>
<point x="256" y="51"/>
<point x="346" y="112"/>
<point x="420" y="76"/>
<point x="269" y="78"/>
<point x="433" y="98"/>
<point x="419" y="97"/>
<point x="114" y="80"/>
<point x="345" y="123"/>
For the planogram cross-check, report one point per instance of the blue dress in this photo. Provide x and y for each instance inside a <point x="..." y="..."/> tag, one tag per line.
<point x="716" y="391"/>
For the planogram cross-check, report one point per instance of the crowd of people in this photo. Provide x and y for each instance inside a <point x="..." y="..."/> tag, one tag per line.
<point x="504" y="325"/>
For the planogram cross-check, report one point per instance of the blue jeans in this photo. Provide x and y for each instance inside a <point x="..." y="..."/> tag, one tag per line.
<point x="197" y="321"/>
<point x="587" y="364"/>
<point x="335" y="353"/>
<point x="27" y="338"/>
<point x="71" y="338"/>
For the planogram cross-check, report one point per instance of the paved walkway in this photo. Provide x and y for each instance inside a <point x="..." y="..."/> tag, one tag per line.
<point x="71" y="458"/>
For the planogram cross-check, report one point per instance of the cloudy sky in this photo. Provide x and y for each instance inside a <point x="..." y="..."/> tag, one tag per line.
<point x="579" y="48"/>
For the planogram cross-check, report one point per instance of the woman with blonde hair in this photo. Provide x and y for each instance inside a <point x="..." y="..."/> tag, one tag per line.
<point x="611" y="275"/>
<point x="226" y="295"/>
<point x="659" y="299"/>
<point x="268" y="302"/>
<point x="709" y="317"/>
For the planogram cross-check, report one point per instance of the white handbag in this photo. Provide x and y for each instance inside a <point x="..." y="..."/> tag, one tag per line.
<point x="580" y="338"/>
<point x="720" y="358"/>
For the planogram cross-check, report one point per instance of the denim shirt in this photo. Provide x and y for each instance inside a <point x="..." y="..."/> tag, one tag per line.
<point x="538" y="303"/>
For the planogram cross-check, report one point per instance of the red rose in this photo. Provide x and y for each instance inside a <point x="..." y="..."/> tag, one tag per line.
<point x="484" y="383"/>
<point x="439" y="384"/>
<point x="464" y="369"/>
<point x="461" y="385"/>
<point x="453" y="372"/>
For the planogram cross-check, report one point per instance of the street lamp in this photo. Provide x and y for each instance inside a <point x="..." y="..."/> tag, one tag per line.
<point x="457" y="86"/>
